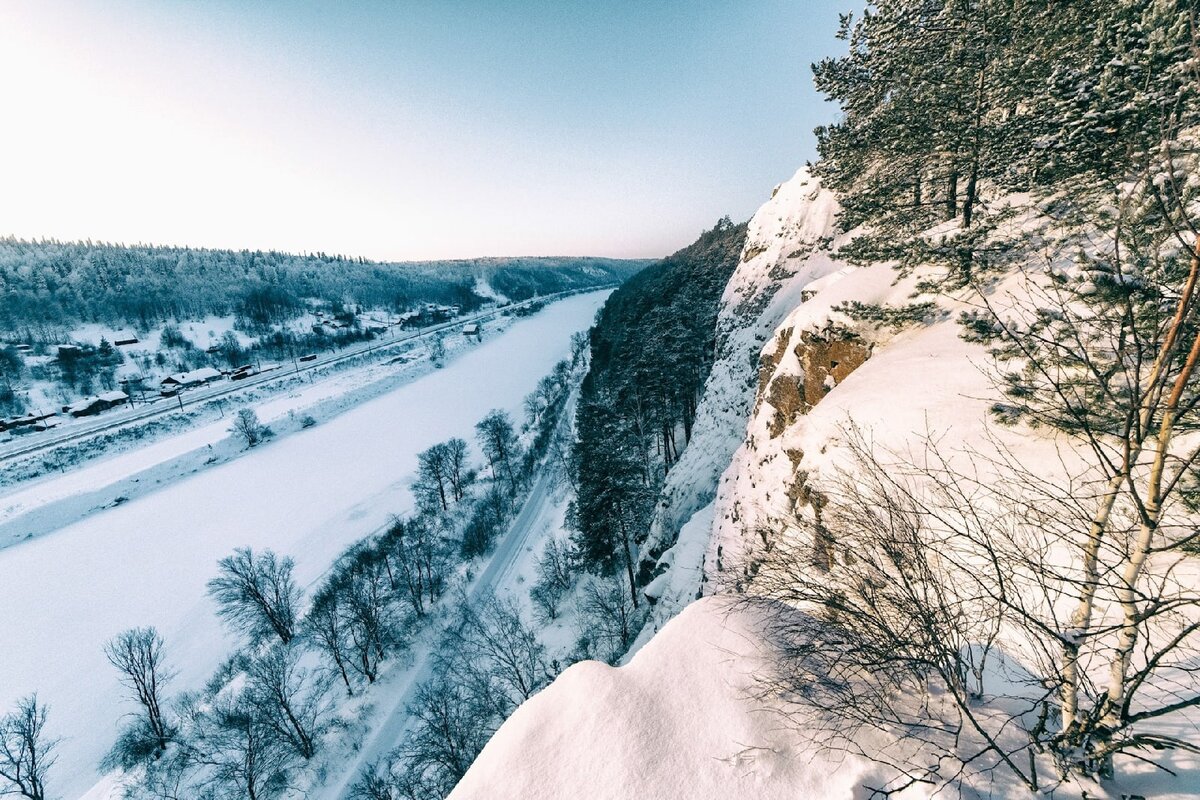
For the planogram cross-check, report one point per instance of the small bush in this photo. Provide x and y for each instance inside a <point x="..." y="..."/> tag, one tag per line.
<point x="247" y="427"/>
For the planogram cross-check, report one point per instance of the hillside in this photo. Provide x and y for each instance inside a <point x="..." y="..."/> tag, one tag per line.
<point x="955" y="409"/>
<point x="673" y="724"/>
<point x="56" y="284"/>
<point x="652" y="349"/>
<point x="787" y="247"/>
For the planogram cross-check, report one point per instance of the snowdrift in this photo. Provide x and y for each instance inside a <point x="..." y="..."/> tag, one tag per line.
<point x="676" y="723"/>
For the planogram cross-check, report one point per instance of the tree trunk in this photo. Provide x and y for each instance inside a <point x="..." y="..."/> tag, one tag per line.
<point x="1081" y="618"/>
<point x="952" y="193"/>
<point x="628" y="559"/>
<point x="1152" y="506"/>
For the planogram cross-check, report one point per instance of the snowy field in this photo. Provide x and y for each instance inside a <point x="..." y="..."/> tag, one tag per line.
<point x="307" y="495"/>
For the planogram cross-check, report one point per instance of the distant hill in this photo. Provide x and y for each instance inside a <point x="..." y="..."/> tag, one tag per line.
<point x="50" y="283"/>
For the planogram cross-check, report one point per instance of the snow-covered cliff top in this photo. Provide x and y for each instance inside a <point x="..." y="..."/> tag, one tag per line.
<point x="676" y="723"/>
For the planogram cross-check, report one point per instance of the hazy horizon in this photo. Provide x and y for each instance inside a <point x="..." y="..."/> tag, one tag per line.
<point x="404" y="131"/>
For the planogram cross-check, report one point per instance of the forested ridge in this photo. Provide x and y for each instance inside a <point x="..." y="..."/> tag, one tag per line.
<point x="57" y="283"/>
<point x="652" y="350"/>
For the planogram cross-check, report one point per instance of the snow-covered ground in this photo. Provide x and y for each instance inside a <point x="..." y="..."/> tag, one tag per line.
<point x="145" y="455"/>
<point x="673" y="724"/>
<point x="138" y="357"/>
<point x="308" y="495"/>
<point x="540" y="517"/>
<point x="784" y="254"/>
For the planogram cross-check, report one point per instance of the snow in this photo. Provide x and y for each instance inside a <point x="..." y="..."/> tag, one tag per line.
<point x="922" y="382"/>
<point x="201" y="375"/>
<point x="485" y="290"/>
<point x="935" y="385"/>
<point x="502" y="575"/>
<point x="683" y="577"/>
<point x="146" y="561"/>
<point x="203" y="333"/>
<point x="679" y="722"/>
<point x="131" y="465"/>
<point x="684" y="717"/>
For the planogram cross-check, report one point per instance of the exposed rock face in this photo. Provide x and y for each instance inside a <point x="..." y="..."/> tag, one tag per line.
<point x="824" y="362"/>
<point x="823" y="376"/>
<point x="768" y="362"/>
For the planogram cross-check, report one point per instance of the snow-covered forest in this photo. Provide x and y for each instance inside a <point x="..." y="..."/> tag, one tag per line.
<point x="80" y="319"/>
<point x="58" y="284"/>
<point x="652" y="349"/>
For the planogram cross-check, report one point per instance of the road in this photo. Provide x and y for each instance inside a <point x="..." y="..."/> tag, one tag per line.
<point x="389" y="732"/>
<point x="72" y="431"/>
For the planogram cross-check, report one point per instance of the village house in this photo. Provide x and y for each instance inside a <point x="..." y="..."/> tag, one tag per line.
<point x="30" y="419"/>
<point x="171" y="384"/>
<point x="94" y="405"/>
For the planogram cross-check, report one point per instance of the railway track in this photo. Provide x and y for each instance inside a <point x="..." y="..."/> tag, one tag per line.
<point x="48" y="440"/>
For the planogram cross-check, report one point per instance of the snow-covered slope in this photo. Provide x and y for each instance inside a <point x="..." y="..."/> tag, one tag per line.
<point x="681" y="719"/>
<point x="673" y="724"/>
<point x="146" y="561"/>
<point x="815" y="380"/>
<point x="787" y="248"/>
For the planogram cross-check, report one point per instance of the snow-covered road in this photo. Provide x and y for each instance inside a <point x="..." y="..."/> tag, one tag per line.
<point x="389" y="731"/>
<point x="308" y="495"/>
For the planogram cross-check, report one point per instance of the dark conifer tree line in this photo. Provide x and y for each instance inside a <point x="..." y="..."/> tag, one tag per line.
<point x="652" y="349"/>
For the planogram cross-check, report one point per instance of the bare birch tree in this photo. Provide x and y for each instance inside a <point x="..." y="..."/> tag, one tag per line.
<point x="256" y="594"/>
<point x="492" y="638"/>
<point x="26" y="751"/>
<point x="291" y="701"/>
<point x="938" y="602"/>
<point x="1108" y="353"/>
<point x="137" y="654"/>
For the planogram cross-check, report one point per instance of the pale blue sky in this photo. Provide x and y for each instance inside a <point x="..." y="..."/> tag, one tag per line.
<point x="398" y="130"/>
